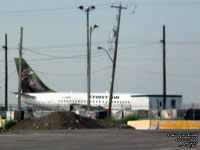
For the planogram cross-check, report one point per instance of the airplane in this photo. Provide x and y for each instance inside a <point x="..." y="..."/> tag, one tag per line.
<point x="36" y="93"/>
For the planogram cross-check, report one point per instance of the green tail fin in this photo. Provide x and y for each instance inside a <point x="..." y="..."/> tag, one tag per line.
<point x="30" y="82"/>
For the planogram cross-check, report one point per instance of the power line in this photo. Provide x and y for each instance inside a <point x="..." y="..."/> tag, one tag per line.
<point x="26" y="49"/>
<point x="10" y="75"/>
<point x="164" y="4"/>
<point x="183" y="42"/>
<point x="141" y="4"/>
<point x="82" y="56"/>
<point x="44" y="11"/>
<point x="143" y="45"/>
<point x="159" y="73"/>
<point x="64" y="46"/>
<point x="62" y="10"/>
<point x="35" y="10"/>
<point x="136" y="38"/>
<point x="53" y="48"/>
<point x="75" y="74"/>
<point x="94" y="54"/>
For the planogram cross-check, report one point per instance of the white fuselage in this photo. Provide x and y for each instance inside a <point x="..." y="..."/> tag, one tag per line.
<point x="63" y="100"/>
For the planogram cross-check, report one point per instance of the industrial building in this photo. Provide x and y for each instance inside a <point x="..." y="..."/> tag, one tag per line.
<point x="155" y="102"/>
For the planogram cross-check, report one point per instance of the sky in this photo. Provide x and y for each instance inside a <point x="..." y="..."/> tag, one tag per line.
<point x="54" y="45"/>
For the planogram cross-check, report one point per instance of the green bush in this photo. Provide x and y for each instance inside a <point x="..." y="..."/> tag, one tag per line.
<point x="122" y="121"/>
<point x="10" y="123"/>
<point x="131" y="117"/>
<point x="110" y="120"/>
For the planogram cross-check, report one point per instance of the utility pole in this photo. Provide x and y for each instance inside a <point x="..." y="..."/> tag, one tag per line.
<point x="164" y="68"/>
<point x="20" y="69"/>
<point x="87" y="10"/>
<point x="6" y="73"/>
<point x="114" y="59"/>
<point x="88" y="60"/>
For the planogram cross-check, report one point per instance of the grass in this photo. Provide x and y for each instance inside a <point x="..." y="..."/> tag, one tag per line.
<point x="122" y="121"/>
<point x="10" y="123"/>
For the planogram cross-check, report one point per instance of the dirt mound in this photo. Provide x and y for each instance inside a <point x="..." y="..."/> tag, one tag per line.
<point x="63" y="120"/>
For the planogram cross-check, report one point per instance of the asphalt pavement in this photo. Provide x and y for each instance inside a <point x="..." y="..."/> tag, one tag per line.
<point x="100" y="139"/>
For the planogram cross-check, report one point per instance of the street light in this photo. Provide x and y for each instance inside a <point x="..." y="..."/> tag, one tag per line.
<point x="90" y="42"/>
<point x="92" y="28"/>
<point x="99" y="47"/>
<point x="87" y="7"/>
<point x="111" y="91"/>
<point x="87" y="10"/>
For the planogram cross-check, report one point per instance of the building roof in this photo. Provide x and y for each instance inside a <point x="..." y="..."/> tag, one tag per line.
<point x="155" y="95"/>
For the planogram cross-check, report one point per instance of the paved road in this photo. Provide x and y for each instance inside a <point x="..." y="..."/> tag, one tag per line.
<point x="98" y="139"/>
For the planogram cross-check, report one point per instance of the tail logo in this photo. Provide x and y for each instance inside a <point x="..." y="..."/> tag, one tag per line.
<point x="30" y="82"/>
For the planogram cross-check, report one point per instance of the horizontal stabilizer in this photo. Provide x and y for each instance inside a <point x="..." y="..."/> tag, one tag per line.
<point x="25" y="95"/>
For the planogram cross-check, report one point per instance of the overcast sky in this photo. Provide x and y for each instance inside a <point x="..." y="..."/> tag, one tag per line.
<point x="55" y="45"/>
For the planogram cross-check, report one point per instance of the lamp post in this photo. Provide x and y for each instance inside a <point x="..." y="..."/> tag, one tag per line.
<point x="92" y="28"/>
<point x="112" y="83"/>
<point x="99" y="47"/>
<point x="87" y="10"/>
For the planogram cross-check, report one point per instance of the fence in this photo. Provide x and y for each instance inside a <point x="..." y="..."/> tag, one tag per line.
<point x="190" y="109"/>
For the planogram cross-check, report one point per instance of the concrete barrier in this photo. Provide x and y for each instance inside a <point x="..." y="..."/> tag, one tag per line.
<point x="192" y="124"/>
<point x="140" y="124"/>
<point x="164" y="124"/>
<point x="175" y="124"/>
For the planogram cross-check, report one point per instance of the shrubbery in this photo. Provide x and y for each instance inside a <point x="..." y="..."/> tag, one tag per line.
<point x="122" y="121"/>
<point x="10" y="123"/>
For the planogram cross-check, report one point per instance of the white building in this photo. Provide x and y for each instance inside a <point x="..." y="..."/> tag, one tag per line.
<point x="154" y="102"/>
